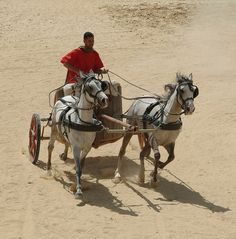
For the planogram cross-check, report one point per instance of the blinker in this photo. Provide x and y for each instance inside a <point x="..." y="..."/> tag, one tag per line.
<point x="104" y="86"/>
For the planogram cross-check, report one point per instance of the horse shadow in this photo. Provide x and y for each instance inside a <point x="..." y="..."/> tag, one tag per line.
<point x="41" y="165"/>
<point x="95" y="193"/>
<point x="174" y="193"/>
<point x="104" y="167"/>
<point x="183" y="193"/>
<point x="98" y="168"/>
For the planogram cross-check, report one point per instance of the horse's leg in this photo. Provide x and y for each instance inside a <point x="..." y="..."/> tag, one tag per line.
<point x="76" y="153"/>
<point x="144" y="153"/>
<point x="125" y="142"/>
<point x="157" y="156"/>
<point x="51" y="147"/>
<point x="142" y="139"/>
<point x="63" y="156"/>
<point x="170" y="149"/>
<point x="83" y="157"/>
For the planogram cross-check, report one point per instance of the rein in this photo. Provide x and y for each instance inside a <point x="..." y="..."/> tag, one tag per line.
<point x="131" y="98"/>
<point x="49" y="94"/>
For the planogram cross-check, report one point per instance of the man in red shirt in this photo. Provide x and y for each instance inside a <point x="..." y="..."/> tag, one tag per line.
<point x="84" y="59"/>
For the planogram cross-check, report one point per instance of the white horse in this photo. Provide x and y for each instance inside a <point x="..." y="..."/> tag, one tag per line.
<point x="73" y="123"/>
<point x="164" y="116"/>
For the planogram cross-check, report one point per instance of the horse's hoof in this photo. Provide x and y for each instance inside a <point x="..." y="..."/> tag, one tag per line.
<point x="49" y="172"/>
<point x="161" y="165"/>
<point x="154" y="183"/>
<point x="63" y="157"/>
<point x="79" y="195"/>
<point x="141" y="181"/>
<point x="141" y="178"/>
<point x="142" y="184"/>
<point x="117" y="180"/>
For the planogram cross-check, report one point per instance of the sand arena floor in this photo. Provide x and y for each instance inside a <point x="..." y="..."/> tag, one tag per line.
<point x="147" y="43"/>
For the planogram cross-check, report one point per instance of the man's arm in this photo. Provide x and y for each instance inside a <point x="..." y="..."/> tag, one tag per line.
<point x="72" y="68"/>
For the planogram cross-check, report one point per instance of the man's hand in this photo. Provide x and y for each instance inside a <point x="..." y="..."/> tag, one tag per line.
<point x="104" y="71"/>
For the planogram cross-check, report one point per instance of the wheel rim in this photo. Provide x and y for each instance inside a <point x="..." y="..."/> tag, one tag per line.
<point x="33" y="139"/>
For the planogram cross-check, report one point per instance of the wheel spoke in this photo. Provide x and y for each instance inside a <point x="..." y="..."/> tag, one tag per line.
<point x="34" y="139"/>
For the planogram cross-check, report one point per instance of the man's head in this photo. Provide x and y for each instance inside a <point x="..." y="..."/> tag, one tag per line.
<point x="88" y="40"/>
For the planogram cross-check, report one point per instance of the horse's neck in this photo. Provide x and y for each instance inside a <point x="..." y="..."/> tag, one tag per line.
<point x="85" y="113"/>
<point x="172" y="109"/>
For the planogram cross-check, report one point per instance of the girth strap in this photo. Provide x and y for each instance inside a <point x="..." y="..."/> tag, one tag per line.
<point x="171" y="126"/>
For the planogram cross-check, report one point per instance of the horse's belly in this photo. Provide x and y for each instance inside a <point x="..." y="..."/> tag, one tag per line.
<point x="81" y="138"/>
<point x="165" y="137"/>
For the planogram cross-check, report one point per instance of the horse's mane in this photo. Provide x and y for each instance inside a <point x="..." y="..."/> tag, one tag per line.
<point x="170" y="88"/>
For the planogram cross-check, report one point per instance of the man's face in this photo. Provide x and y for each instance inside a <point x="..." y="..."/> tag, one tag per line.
<point x="89" y="42"/>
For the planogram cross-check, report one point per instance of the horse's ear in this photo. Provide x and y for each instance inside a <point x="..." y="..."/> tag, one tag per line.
<point x="169" y="87"/>
<point x="178" y="76"/>
<point x="82" y="75"/>
<point x="91" y="73"/>
<point x="190" y="76"/>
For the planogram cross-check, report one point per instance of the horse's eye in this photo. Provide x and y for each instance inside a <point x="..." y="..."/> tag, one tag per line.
<point x="104" y="85"/>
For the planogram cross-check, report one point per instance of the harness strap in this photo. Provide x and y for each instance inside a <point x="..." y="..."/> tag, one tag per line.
<point x="65" y="102"/>
<point x="146" y="116"/>
<point x="61" y="119"/>
<point x="72" y="125"/>
<point x="147" y="119"/>
<point x="81" y="127"/>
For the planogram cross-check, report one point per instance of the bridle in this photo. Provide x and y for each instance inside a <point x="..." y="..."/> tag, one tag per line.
<point x="86" y="87"/>
<point x="182" y="104"/>
<point x="192" y="88"/>
<point x="86" y="90"/>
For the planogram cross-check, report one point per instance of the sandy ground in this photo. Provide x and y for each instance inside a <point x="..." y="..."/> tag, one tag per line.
<point x="147" y="43"/>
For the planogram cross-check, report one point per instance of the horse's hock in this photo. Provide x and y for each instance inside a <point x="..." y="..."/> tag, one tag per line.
<point x="114" y="110"/>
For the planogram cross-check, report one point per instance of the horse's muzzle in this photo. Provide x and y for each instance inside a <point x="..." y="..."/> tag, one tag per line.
<point x="103" y="102"/>
<point x="189" y="109"/>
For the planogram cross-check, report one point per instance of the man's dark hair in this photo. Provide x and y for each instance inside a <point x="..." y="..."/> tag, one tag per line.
<point x="88" y="34"/>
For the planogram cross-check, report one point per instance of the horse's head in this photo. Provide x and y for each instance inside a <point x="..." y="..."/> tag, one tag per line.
<point x="186" y="92"/>
<point x="94" y="89"/>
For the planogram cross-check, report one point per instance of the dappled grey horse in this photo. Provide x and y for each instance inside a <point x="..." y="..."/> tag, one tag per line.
<point x="73" y="123"/>
<point x="163" y="115"/>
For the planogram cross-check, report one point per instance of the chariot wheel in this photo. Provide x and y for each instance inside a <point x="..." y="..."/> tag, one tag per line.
<point x="34" y="138"/>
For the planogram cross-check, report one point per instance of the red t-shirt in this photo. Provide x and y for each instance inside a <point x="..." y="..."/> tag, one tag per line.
<point x="85" y="61"/>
